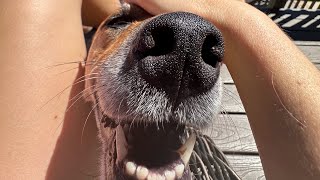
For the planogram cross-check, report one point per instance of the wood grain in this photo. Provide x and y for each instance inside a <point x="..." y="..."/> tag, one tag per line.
<point x="247" y="167"/>
<point x="232" y="133"/>
<point x="225" y="75"/>
<point x="231" y="102"/>
<point x="312" y="52"/>
<point x="307" y="43"/>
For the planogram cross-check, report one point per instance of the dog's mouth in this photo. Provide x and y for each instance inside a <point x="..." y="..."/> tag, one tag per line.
<point x="154" y="150"/>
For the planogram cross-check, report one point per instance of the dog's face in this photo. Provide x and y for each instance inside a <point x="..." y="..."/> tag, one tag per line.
<point x="154" y="82"/>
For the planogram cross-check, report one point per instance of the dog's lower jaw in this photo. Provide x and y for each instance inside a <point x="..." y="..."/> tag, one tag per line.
<point x="115" y="156"/>
<point x="107" y="139"/>
<point x="113" y="160"/>
<point x="108" y="155"/>
<point x="113" y="168"/>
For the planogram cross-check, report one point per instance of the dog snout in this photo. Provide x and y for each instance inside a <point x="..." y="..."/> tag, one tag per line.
<point x="180" y="54"/>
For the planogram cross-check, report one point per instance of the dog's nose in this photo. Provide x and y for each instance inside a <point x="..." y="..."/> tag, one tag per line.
<point x="179" y="53"/>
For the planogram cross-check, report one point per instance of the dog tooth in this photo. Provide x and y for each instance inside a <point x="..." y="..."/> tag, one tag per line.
<point x="170" y="175"/>
<point x="142" y="173"/>
<point x="186" y="150"/>
<point x="151" y="176"/>
<point x="130" y="168"/>
<point x="179" y="170"/>
<point x="160" y="177"/>
<point x="121" y="144"/>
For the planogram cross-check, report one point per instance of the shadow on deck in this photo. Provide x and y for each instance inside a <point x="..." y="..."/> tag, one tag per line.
<point x="300" y="19"/>
<point x="300" y="25"/>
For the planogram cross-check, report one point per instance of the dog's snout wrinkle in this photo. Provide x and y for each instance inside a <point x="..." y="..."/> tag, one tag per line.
<point x="179" y="53"/>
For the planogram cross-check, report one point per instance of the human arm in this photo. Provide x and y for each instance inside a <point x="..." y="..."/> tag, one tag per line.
<point x="35" y="34"/>
<point x="93" y="12"/>
<point x="38" y="138"/>
<point x="277" y="84"/>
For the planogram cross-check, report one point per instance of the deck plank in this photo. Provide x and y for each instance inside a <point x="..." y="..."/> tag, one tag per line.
<point x="307" y="43"/>
<point x="225" y="75"/>
<point x="247" y="167"/>
<point x="231" y="101"/>
<point x="232" y="133"/>
<point x="312" y="52"/>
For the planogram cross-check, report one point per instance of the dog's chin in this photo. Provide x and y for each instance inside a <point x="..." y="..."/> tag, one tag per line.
<point x="159" y="150"/>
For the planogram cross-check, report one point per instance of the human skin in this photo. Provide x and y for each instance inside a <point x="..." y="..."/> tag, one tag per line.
<point x="278" y="85"/>
<point x="36" y="34"/>
<point x="38" y="138"/>
<point x="95" y="11"/>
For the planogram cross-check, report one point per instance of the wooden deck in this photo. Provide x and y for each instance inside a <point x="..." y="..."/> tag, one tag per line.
<point x="231" y="132"/>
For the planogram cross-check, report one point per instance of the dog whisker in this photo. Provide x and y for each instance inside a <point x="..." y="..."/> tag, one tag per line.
<point x="84" y="76"/>
<point x="231" y="94"/>
<point x="132" y="123"/>
<point x="81" y="96"/>
<point x="69" y="69"/>
<point x="85" y="122"/>
<point x="228" y="119"/>
<point x="64" y="63"/>
<point x="96" y="65"/>
<point x="70" y="106"/>
<point x="62" y="72"/>
<point x="77" y="81"/>
<point x="119" y="109"/>
<point x="81" y="93"/>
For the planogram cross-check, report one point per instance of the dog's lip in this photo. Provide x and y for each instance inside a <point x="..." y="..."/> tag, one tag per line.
<point x="137" y="170"/>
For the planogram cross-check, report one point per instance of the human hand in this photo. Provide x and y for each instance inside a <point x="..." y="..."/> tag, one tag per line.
<point x="200" y="7"/>
<point x="224" y="14"/>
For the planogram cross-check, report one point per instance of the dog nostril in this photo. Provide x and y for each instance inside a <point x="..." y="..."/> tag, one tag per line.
<point x="211" y="51"/>
<point x="161" y="42"/>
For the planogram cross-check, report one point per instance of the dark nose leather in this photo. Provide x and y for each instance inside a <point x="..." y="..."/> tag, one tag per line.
<point x="179" y="53"/>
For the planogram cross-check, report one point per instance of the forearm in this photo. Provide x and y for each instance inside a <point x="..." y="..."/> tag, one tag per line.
<point x="95" y="11"/>
<point x="35" y="34"/>
<point x="279" y="88"/>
